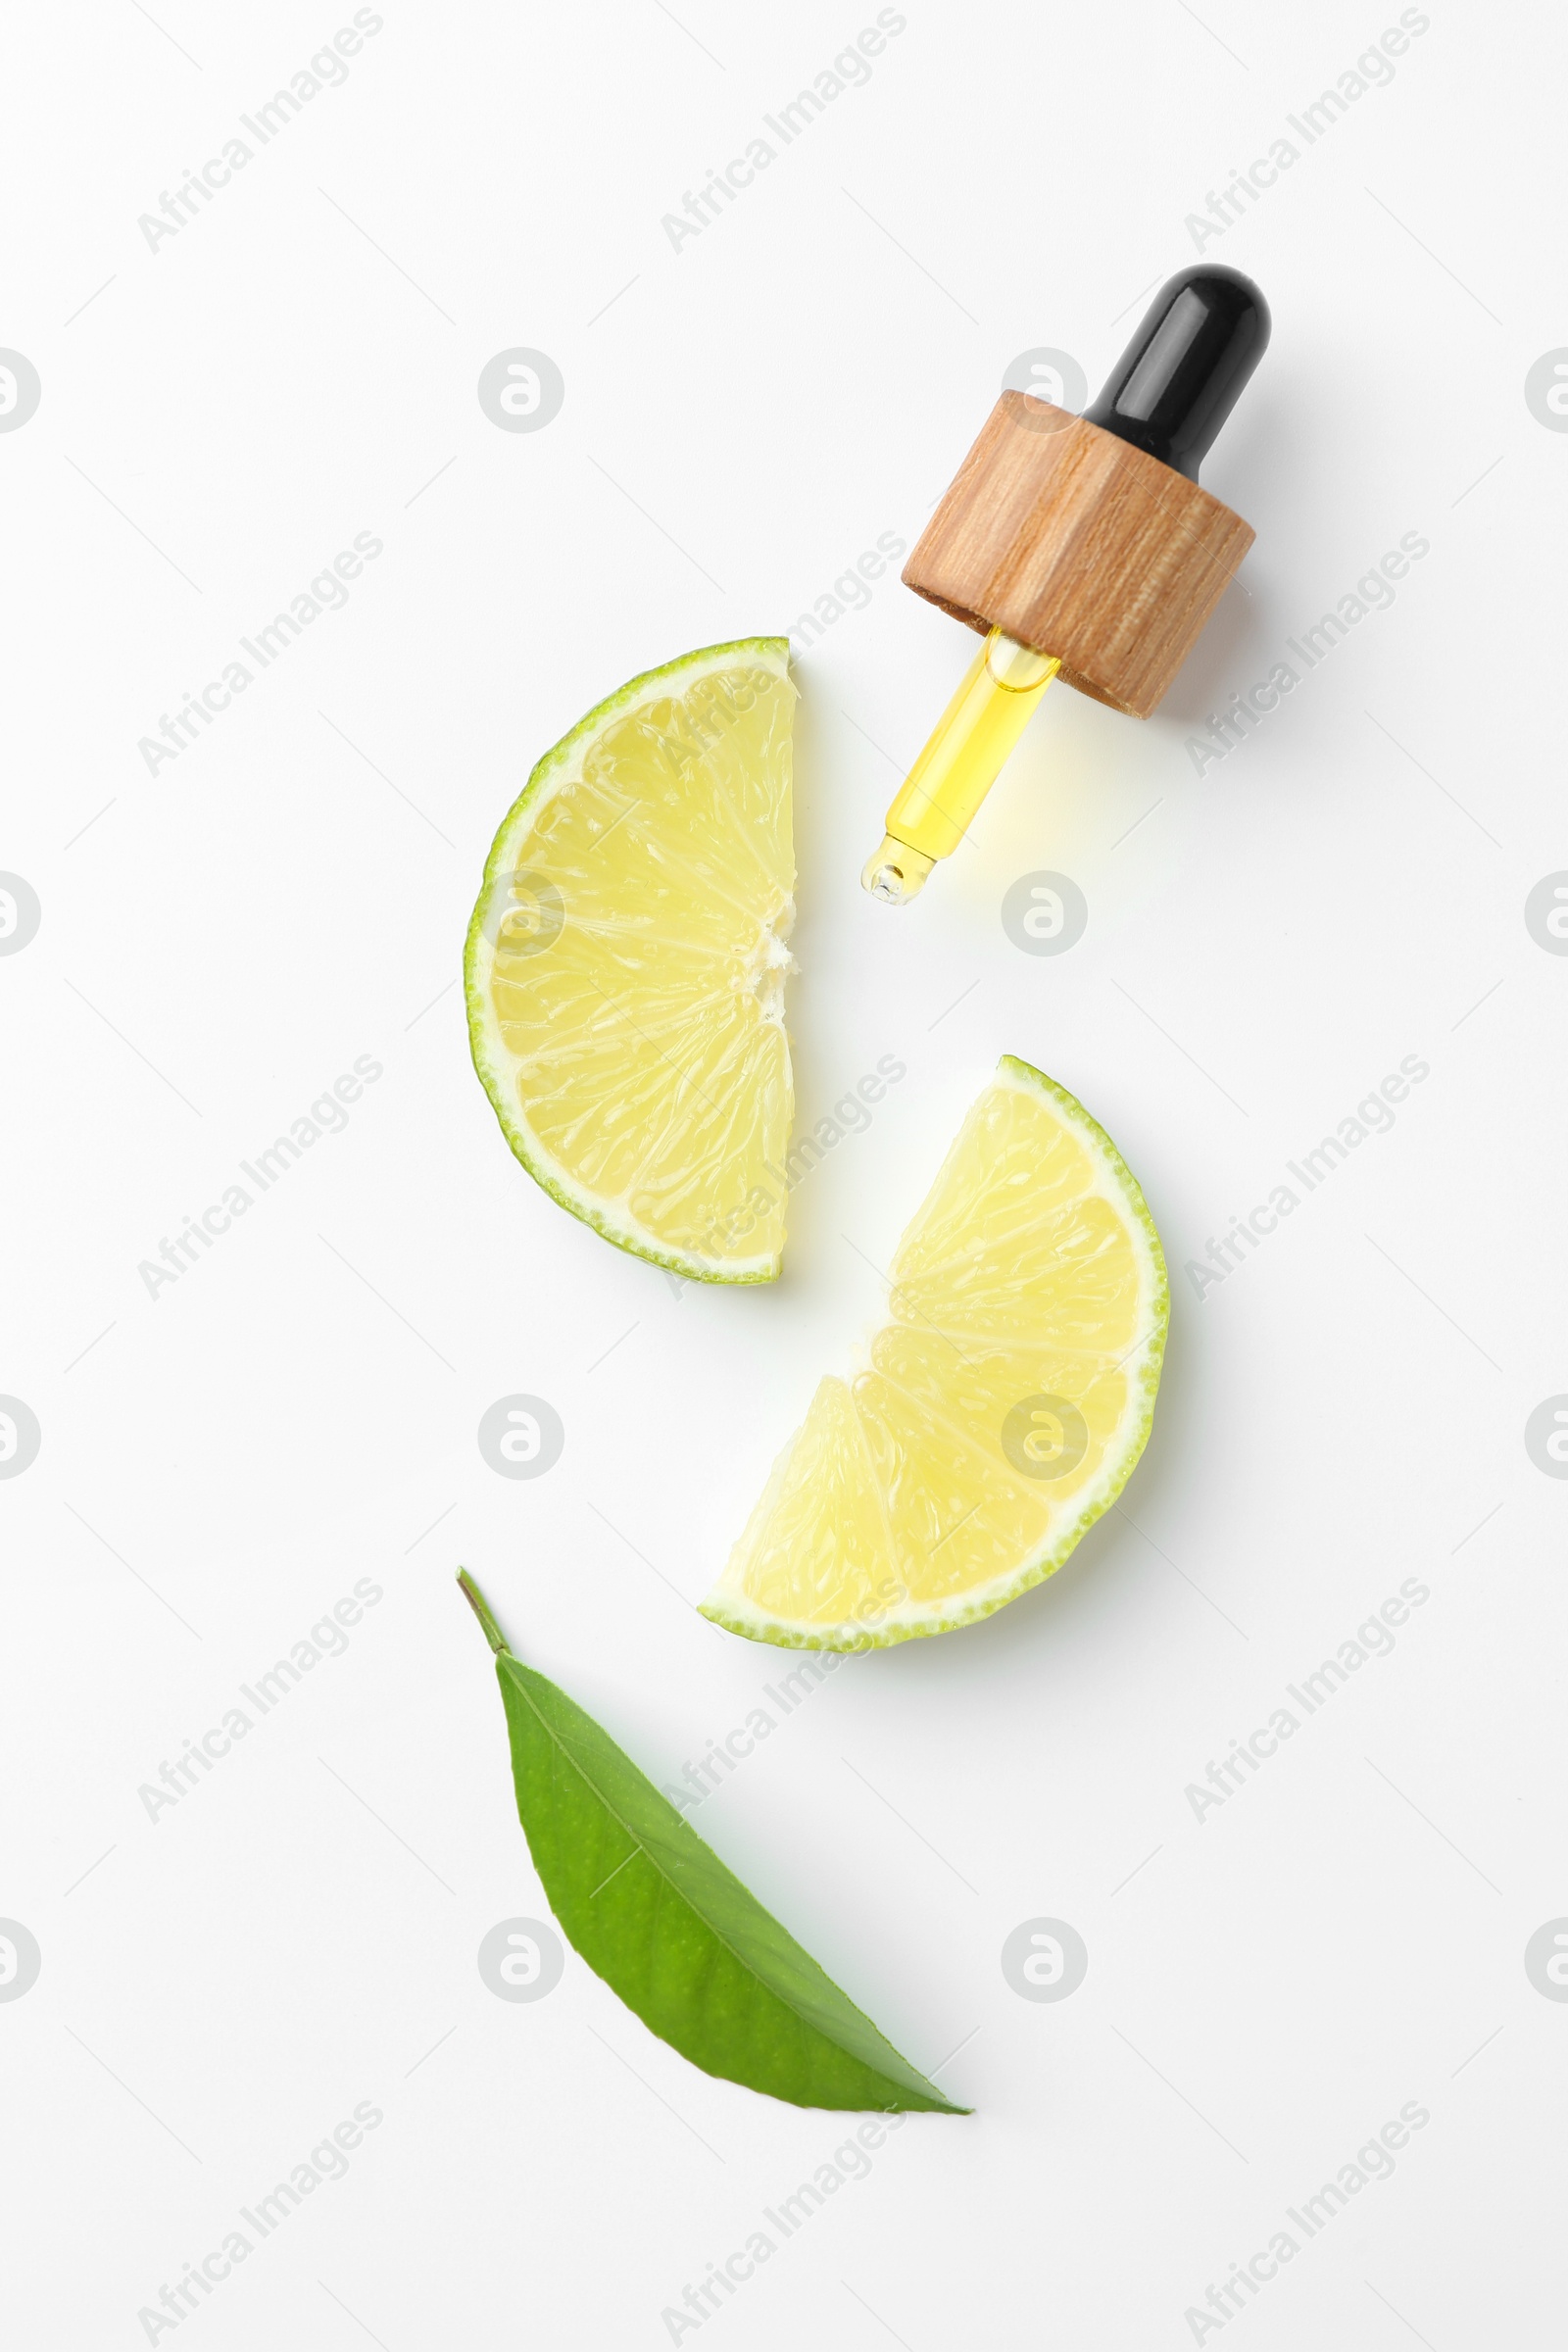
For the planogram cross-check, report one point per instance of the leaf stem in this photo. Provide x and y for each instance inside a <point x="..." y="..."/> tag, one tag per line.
<point x="482" y="1610"/>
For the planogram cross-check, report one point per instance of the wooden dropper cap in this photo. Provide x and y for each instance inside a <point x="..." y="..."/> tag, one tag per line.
<point x="1087" y="537"/>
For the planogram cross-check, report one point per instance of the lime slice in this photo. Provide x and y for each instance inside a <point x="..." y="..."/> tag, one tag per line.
<point x="625" y="969"/>
<point x="1002" y="1406"/>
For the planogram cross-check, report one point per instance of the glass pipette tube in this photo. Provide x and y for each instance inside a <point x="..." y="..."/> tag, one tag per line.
<point x="994" y="703"/>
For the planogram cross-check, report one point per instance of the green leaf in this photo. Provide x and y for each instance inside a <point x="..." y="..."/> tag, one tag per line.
<point x="653" y="1911"/>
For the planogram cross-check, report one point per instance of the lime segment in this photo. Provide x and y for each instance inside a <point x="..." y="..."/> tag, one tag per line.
<point x="624" y="967"/>
<point x="1005" y="1404"/>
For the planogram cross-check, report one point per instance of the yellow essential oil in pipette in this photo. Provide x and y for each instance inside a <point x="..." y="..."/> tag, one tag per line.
<point x="993" y="704"/>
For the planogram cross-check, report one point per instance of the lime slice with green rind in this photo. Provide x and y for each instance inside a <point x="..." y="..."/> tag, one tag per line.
<point x="624" y="967"/>
<point x="1004" y="1405"/>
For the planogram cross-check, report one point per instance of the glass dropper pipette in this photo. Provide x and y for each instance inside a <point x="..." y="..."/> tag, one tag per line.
<point x="968" y="746"/>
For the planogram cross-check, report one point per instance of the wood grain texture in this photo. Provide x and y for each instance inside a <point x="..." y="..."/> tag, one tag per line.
<point x="1080" y="546"/>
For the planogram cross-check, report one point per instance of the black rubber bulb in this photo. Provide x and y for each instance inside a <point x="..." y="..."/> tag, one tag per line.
<point x="1183" y="371"/>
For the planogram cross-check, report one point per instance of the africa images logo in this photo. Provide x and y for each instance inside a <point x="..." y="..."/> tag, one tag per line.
<point x="1547" y="391"/>
<point x="521" y="1437"/>
<point x="521" y="389"/>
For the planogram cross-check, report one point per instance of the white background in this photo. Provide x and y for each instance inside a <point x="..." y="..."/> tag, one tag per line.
<point x="219" y="1464"/>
